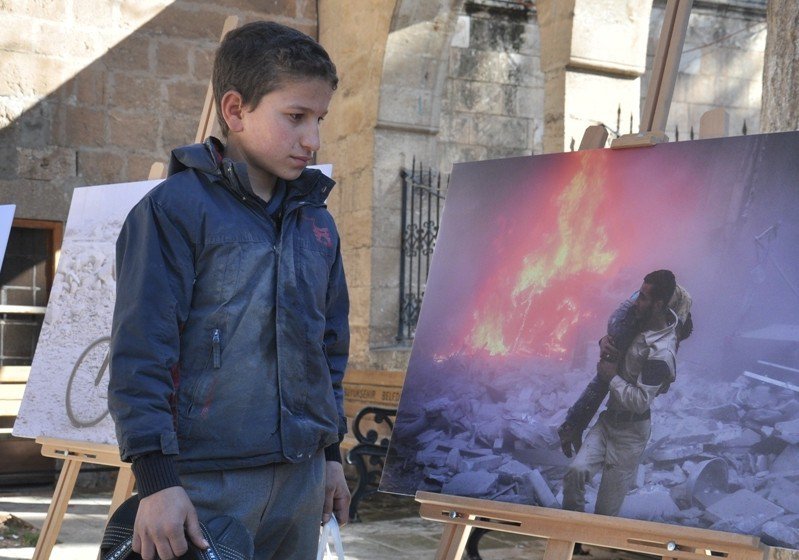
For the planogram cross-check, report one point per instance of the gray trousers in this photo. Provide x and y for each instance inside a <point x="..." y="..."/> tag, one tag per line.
<point x="280" y="504"/>
<point x="614" y="447"/>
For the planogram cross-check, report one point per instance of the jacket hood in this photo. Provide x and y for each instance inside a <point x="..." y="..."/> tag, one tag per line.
<point x="208" y="159"/>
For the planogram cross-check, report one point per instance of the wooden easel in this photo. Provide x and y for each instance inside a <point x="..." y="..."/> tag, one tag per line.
<point x="563" y="529"/>
<point x="76" y="453"/>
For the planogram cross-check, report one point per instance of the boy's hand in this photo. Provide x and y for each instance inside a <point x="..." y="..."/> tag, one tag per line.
<point x="606" y="370"/>
<point x="608" y="352"/>
<point x="162" y="523"/>
<point x="337" y="494"/>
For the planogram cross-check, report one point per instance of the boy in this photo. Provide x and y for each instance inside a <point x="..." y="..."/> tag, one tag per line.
<point x="230" y="332"/>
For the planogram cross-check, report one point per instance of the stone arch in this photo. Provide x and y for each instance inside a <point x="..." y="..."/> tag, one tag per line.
<point x="393" y="68"/>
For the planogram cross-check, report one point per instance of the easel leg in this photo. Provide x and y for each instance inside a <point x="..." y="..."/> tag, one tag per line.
<point x="453" y="542"/>
<point x="58" y="507"/>
<point x="559" y="550"/>
<point x="122" y="489"/>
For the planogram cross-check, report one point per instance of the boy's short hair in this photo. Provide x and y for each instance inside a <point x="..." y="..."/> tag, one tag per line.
<point x="259" y="57"/>
<point x="663" y="284"/>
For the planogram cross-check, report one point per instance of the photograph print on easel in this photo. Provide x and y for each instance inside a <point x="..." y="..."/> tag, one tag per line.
<point x="534" y="256"/>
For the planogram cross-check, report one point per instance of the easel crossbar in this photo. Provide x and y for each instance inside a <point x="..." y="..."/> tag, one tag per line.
<point x="84" y="452"/>
<point x="610" y="532"/>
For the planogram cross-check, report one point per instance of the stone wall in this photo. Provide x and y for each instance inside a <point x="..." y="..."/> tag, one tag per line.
<point x="721" y="65"/>
<point x="493" y="102"/>
<point x="95" y="92"/>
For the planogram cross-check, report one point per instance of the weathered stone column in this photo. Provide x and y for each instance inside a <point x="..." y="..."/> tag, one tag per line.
<point x="593" y="53"/>
<point x="780" y="109"/>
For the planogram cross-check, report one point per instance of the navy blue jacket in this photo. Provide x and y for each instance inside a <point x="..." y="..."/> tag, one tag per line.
<point x="230" y="331"/>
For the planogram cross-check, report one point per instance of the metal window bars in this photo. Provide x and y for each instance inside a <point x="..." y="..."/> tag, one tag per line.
<point x="422" y="201"/>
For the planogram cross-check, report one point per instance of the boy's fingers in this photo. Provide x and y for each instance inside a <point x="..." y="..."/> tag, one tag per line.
<point x="194" y="532"/>
<point x="167" y="550"/>
<point x="327" y="509"/>
<point x="342" y="509"/>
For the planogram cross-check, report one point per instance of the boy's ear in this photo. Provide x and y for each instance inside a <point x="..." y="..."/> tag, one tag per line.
<point x="233" y="109"/>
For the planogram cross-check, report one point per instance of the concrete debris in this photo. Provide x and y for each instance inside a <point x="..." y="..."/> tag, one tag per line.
<point x="484" y="463"/>
<point x="724" y="412"/>
<point x="543" y="493"/>
<point x="767" y="417"/>
<point x="745" y="504"/>
<point x="652" y="503"/>
<point x="722" y="455"/>
<point x="787" y="461"/>
<point x="513" y="469"/>
<point x="734" y="436"/>
<point x="670" y="478"/>
<point x="676" y="453"/>
<point x="788" y="431"/>
<point x="471" y="484"/>
<point x="778" y="534"/>
<point x="785" y="494"/>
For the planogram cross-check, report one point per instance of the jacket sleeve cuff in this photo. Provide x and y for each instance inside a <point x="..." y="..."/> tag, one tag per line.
<point x="154" y="472"/>
<point x="333" y="453"/>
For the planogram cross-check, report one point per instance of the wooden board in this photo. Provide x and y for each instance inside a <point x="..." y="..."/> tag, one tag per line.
<point x="371" y="388"/>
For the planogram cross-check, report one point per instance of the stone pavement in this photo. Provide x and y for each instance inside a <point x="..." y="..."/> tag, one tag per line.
<point x="391" y="529"/>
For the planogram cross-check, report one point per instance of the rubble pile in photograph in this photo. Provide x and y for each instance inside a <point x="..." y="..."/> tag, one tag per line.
<point x="722" y="455"/>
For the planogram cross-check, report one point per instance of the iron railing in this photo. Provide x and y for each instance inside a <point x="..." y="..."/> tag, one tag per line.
<point x="422" y="202"/>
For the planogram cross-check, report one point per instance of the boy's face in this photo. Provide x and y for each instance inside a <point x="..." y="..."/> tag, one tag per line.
<point x="278" y="137"/>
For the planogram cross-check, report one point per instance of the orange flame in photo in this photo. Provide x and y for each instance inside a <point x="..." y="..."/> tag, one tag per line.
<point x="549" y="274"/>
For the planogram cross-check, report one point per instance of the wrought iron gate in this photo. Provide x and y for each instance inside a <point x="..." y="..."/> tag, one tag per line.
<point x="422" y="201"/>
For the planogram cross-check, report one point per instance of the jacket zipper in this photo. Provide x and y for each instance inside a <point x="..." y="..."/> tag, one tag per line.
<point x="216" y="351"/>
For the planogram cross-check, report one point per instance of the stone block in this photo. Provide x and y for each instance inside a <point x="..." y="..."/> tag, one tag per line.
<point x="45" y="9"/>
<point x="133" y="91"/>
<point x="30" y="75"/>
<point x="33" y="128"/>
<point x="787" y="460"/>
<point x="732" y="92"/>
<point x="474" y="484"/>
<point x="202" y="61"/>
<point x="513" y="470"/>
<point x="779" y="534"/>
<point x="85" y="126"/>
<point x="92" y="13"/>
<point x="476" y="97"/>
<point x="676" y="452"/>
<point x="785" y="494"/>
<point x="746" y="507"/>
<point x="541" y="490"/>
<point x="129" y="130"/>
<point x="48" y="164"/>
<point x="138" y="165"/>
<point x="130" y="55"/>
<point x="188" y="22"/>
<point x="650" y="504"/>
<point x="690" y="64"/>
<point x="100" y="167"/>
<point x="514" y="132"/>
<point x="356" y="230"/>
<point x="41" y="200"/>
<point x="90" y="86"/>
<point x="173" y="58"/>
<point x="733" y="436"/>
<point x="788" y="431"/>
<point x="186" y="98"/>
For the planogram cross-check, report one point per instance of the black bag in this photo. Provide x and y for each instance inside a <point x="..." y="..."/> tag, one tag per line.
<point x="228" y="538"/>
